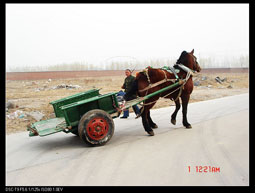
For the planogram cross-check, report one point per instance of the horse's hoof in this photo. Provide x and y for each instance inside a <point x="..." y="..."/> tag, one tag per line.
<point x="173" y="121"/>
<point x="154" y="126"/>
<point x="188" y="127"/>
<point x="151" y="133"/>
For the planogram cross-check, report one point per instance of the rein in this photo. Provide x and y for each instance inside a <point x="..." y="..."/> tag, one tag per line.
<point x="157" y="83"/>
<point x="151" y="85"/>
<point x="183" y="82"/>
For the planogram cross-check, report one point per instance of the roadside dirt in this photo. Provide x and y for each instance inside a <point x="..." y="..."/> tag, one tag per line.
<point x="30" y="98"/>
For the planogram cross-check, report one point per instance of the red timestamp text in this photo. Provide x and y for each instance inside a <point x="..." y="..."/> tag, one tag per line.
<point x="204" y="169"/>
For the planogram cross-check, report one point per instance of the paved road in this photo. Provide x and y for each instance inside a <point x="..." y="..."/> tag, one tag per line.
<point x="219" y="139"/>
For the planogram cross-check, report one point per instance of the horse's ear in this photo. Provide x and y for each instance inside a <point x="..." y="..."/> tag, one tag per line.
<point x="192" y="52"/>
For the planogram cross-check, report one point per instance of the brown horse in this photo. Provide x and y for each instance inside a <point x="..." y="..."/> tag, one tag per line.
<point x="145" y="84"/>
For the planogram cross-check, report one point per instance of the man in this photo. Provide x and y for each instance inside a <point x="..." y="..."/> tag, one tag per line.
<point x="127" y="86"/>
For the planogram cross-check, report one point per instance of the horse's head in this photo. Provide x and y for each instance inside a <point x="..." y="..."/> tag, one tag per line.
<point x="189" y="60"/>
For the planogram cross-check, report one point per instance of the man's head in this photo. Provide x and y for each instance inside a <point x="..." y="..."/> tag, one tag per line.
<point x="128" y="72"/>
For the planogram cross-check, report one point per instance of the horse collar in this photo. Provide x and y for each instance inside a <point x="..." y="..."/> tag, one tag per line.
<point x="185" y="68"/>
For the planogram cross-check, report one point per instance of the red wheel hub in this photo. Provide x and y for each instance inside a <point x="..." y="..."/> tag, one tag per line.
<point x="97" y="128"/>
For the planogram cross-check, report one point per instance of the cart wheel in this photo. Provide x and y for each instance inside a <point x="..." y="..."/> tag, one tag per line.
<point x="96" y="127"/>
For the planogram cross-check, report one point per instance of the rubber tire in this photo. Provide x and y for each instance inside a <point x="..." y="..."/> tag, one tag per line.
<point x="85" y="119"/>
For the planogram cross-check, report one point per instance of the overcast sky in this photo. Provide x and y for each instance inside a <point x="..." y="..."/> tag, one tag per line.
<point x="50" y="34"/>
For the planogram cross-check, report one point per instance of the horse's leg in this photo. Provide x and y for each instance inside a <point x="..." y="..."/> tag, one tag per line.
<point x="145" y="121"/>
<point x="177" y="108"/>
<point x="185" y="101"/>
<point x="152" y="124"/>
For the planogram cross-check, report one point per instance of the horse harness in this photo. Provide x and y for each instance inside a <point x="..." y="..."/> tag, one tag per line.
<point x="172" y="70"/>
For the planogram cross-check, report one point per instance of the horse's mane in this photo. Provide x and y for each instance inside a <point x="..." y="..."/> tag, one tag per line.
<point x="182" y="57"/>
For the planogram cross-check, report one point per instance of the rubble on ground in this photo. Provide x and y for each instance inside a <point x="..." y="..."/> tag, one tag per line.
<point x="218" y="80"/>
<point x="10" y="105"/>
<point x="196" y="83"/>
<point x="60" y="86"/>
<point x="21" y="114"/>
<point x="36" y="115"/>
<point x="66" y="86"/>
<point x="16" y="114"/>
<point x="211" y="82"/>
<point x="204" y="78"/>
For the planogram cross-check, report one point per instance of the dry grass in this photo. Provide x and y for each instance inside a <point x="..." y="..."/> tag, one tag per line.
<point x="25" y="94"/>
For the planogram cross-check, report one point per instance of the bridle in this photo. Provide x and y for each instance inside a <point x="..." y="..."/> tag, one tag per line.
<point x="195" y="63"/>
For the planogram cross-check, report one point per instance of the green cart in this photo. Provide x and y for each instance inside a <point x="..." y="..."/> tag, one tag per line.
<point x="87" y="114"/>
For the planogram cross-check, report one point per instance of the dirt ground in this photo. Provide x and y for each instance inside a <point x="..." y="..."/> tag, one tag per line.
<point x="30" y="98"/>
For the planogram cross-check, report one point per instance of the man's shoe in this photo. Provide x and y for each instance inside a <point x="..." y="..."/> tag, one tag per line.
<point x="123" y="117"/>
